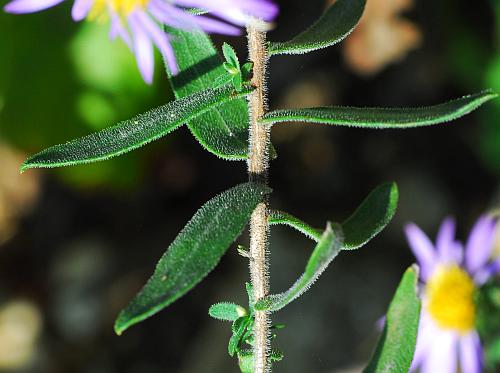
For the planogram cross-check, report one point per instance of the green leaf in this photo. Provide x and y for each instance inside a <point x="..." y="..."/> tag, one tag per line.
<point x="238" y="328"/>
<point x="395" y="349"/>
<point x="133" y="133"/>
<point x="237" y="82"/>
<point x="280" y="217"/>
<point x="246" y="71"/>
<point x="195" y="251"/>
<point x="251" y="301"/>
<point x="227" y="311"/>
<point x="276" y="355"/>
<point x="222" y="131"/>
<point x="325" y="251"/>
<point x="245" y="361"/>
<point x="383" y="117"/>
<point x="221" y="80"/>
<point x="374" y="213"/>
<point x="332" y="27"/>
<point x="230" y="56"/>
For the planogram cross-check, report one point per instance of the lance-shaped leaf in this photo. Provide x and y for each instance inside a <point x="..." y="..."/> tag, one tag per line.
<point x="382" y="117"/>
<point x="195" y="251"/>
<point x="332" y="27"/>
<point x="224" y="130"/>
<point x="133" y="133"/>
<point x="374" y="213"/>
<point x="396" y="347"/>
<point x="325" y="251"/>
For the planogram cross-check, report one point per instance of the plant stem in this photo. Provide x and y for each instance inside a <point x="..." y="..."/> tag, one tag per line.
<point x="258" y="162"/>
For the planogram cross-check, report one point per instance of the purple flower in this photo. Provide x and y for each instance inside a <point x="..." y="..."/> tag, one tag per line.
<point x="450" y="275"/>
<point x="139" y="22"/>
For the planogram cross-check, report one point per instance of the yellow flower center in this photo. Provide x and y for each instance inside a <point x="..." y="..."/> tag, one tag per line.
<point x="450" y="298"/>
<point x="123" y="8"/>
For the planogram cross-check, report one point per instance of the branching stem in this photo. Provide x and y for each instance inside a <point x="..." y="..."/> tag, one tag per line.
<point x="258" y="162"/>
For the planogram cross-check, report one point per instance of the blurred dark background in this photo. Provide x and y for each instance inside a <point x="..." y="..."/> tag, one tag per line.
<point x="76" y="244"/>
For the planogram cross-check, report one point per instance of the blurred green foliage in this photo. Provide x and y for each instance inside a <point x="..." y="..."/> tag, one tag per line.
<point x="475" y="62"/>
<point x="60" y="80"/>
<point x="488" y="322"/>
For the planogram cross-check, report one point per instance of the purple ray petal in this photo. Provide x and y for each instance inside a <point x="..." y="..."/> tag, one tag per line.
<point x="143" y="49"/>
<point x="480" y="243"/>
<point x="117" y="29"/>
<point x="422" y="249"/>
<point x="160" y="38"/>
<point x="426" y="332"/>
<point x="470" y="353"/>
<point x="449" y="250"/>
<point x="178" y="18"/>
<point x="29" y="6"/>
<point x="441" y="357"/>
<point x="80" y="9"/>
<point x="445" y="238"/>
<point x="237" y="12"/>
<point x="214" y="26"/>
<point x="486" y="272"/>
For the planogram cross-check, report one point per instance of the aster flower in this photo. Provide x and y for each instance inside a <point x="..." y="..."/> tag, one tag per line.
<point x="450" y="275"/>
<point x="139" y="22"/>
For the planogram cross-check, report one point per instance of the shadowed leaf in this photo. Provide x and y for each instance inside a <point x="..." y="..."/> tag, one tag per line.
<point x="332" y="27"/>
<point x="374" y="213"/>
<point x="195" y="251"/>
<point x="224" y="130"/>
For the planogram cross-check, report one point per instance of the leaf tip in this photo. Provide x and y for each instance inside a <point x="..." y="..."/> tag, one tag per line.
<point x="394" y="194"/>
<point x="121" y="324"/>
<point x="413" y="271"/>
<point x="119" y="329"/>
<point x="26" y="165"/>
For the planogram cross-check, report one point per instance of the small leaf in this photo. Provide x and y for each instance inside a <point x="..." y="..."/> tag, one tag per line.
<point x="200" y="66"/>
<point x="326" y="250"/>
<point x="251" y="301"/>
<point x="245" y="361"/>
<point x="246" y="71"/>
<point x="195" y="251"/>
<point x="276" y="355"/>
<point x="280" y="217"/>
<point x="395" y="349"/>
<point x="230" y="68"/>
<point x="237" y="82"/>
<point x="230" y="56"/>
<point x="382" y="117"/>
<point x="227" y="311"/>
<point x="239" y="328"/>
<point x="133" y="133"/>
<point x="374" y="213"/>
<point x="243" y="251"/>
<point x="278" y="326"/>
<point x="221" y="80"/>
<point x="333" y="26"/>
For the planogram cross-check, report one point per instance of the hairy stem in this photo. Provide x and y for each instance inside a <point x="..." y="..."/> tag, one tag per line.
<point x="258" y="161"/>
